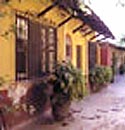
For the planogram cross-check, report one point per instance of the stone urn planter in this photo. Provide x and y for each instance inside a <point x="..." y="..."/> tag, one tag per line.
<point x="61" y="107"/>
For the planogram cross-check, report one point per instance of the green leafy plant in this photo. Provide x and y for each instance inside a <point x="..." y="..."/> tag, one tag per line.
<point x="69" y="85"/>
<point x="107" y="74"/>
<point x="114" y="66"/>
<point x="70" y="80"/>
<point x="99" y="76"/>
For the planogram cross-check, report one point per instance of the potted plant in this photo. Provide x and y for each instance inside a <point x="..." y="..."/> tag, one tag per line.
<point x="114" y="66"/>
<point x="68" y="85"/>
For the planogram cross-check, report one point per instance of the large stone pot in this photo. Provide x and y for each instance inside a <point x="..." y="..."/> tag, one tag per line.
<point x="61" y="108"/>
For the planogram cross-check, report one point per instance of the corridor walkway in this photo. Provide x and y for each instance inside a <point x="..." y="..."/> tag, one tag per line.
<point x="104" y="110"/>
<point x="100" y="111"/>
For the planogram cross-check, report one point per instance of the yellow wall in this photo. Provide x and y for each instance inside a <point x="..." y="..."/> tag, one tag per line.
<point x="77" y="39"/>
<point x="7" y="46"/>
<point x="7" y="40"/>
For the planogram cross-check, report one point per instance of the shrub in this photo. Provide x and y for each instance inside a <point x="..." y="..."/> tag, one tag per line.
<point x="108" y="74"/>
<point x="69" y="80"/>
<point x="99" y="76"/>
<point x="69" y="84"/>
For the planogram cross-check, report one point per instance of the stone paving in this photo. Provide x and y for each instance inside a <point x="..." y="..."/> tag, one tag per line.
<point x="100" y="111"/>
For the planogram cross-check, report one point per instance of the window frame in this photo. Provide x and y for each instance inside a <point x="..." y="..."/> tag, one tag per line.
<point x="24" y="35"/>
<point x="68" y="47"/>
<point x="21" y="47"/>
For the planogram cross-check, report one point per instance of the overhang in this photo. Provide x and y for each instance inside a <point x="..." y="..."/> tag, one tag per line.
<point x="90" y="19"/>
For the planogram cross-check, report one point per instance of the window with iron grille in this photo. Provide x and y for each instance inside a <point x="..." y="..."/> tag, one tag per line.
<point x="21" y="47"/>
<point x="35" y="48"/>
<point x="48" y="49"/>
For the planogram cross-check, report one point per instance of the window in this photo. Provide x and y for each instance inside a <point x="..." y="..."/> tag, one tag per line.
<point x="79" y="56"/>
<point x="21" y="47"/>
<point x="35" y="49"/>
<point x="48" y="49"/>
<point x="22" y="28"/>
<point x="68" y="48"/>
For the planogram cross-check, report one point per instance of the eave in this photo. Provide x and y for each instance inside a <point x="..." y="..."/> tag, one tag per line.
<point x="92" y="20"/>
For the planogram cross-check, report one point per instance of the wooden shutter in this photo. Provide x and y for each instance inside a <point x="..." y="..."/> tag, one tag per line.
<point x="42" y="49"/>
<point x="34" y="49"/>
<point x="92" y="55"/>
<point x="79" y="56"/>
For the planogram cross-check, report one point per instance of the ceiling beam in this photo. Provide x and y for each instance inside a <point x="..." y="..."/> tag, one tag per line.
<point x="87" y="33"/>
<point x="95" y="36"/>
<point x="84" y="29"/>
<point x="47" y="9"/>
<point x="65" y="21"/>
<point x="78" y="28"/>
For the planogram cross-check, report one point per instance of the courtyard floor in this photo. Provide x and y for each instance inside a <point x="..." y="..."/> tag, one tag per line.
<point x="104" y="110"/>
